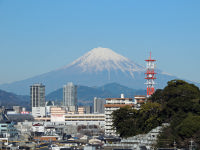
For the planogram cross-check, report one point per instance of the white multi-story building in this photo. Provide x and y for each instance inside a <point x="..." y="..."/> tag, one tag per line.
<point x="57" y="114"/>
<point x="75" y="119"/>
<point x="38" y="111"/>
<point x="85" y="119"/>
<point x="111" y="105"/>
<point x="70" y="95"/>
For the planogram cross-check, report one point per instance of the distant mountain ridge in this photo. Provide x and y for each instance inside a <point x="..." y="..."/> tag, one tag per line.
<point x="8" y="100"/>
<point x="86" y="94"/>
<point x="97" y="67"/>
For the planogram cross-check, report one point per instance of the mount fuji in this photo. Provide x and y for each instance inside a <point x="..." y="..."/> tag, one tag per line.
<point x="97" y="67"/>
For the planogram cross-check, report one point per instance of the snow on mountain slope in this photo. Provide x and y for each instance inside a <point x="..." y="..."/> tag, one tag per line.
<point x="97" y="67"/>
<point x="99" y="59"/>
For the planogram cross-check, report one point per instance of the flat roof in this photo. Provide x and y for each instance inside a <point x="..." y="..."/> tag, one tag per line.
<point x="140" y="96"/>
<point x="117" y="105"/>
<point x="119" y="98"/>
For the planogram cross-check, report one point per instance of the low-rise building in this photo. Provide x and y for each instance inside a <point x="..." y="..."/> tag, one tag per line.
<point x="38" y="127"/>
<point x="81" y="110"/>
<point x="38" y="111"/>
<point x="140" y="141"/>
<point x="58" y="114"/>
<point x="7" y="129"/>
<point x="17" y="109"/>
<point x="85" y="119"/>
<point x="78" y="119"/>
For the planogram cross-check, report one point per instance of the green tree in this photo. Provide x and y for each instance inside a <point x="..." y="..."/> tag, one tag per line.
<point x="129" y="122"/>
<point x="124" y="121"/>
<point x="178" y="104"/>
<point x="189" y="126"/>
<point x="180" y="101"/>
<point x="148" y="117"/>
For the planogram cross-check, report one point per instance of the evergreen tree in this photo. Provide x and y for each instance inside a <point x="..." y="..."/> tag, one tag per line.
<point x="178" y="104"/>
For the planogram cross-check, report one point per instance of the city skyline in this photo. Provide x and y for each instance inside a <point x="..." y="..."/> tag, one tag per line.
<point x="41" y="36"/>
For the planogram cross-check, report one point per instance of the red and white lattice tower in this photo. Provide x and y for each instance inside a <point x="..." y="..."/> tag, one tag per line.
<point x="150" y="76"/>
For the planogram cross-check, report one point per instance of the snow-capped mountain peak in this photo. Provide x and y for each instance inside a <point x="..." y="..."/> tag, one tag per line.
<point x="102" y="54"/>
<point x="97" y="67"/>
<point x="99" y="59"/>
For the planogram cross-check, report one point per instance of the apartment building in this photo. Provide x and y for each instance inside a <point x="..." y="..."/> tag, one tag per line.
<point x="111" y="105"/>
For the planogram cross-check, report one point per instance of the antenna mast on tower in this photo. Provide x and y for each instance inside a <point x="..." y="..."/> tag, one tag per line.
<point x="150" y="76"/>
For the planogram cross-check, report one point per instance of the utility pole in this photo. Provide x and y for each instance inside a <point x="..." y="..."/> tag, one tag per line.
<point x="191" y="144"/>
<point x="174" y="145"/>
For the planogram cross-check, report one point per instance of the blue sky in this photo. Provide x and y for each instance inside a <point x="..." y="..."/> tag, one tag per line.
<point x="38" y="36"/>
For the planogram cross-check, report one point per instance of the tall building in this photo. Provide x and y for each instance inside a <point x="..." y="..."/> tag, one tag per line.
<point x="70" y="95"/>
<point x="99" y="105"/>
<point x="37" y="96"/>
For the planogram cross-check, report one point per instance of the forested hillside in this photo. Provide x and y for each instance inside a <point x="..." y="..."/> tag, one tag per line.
<point x="178" y="104"/>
